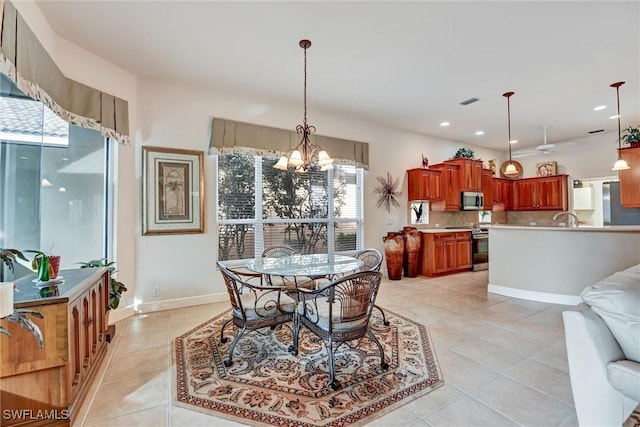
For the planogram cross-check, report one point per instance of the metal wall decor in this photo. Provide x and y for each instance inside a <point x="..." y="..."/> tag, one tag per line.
<point x="387" y="192"/>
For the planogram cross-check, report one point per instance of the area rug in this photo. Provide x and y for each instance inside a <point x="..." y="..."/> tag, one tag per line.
<point x="267" y="385"/>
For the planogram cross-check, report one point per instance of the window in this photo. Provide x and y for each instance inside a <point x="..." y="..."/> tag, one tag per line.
<point x="53" y="182"/>
<point x="259" y="206"/>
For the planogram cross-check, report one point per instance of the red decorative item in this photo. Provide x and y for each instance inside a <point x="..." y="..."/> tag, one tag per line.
<point x="411" y="237"/>
<point x="394" y="252"/>
<point x="54" y="262"/>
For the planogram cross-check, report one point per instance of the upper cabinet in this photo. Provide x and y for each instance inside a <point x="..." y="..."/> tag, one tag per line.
<point x="487" y="188"/>
<point x="544" y="193"/>
<point x="424" y="184"/>
<point x="470" y="177"/>
<point x="502" y="194"/>
<point x="630" y="178"/>
<point x="450" y="188"/>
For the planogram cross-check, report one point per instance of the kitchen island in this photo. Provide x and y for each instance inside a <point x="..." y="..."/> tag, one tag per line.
<point x="555" y="264"/>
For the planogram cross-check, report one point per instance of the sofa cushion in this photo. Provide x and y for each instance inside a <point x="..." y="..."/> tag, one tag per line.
<point x="616" y="299"/>
<point x="624" y="376"/>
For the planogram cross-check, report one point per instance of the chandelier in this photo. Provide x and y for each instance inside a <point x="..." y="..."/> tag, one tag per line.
<point x="511" y="168"/>
<point x="306" y="154"/>
<point x="620" y="164"/>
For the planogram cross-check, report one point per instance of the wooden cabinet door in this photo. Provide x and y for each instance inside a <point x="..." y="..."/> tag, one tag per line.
<point x="450" y="250"/>
<point x="550" y="193"/>
<point x="463" y="250"/>
<point x="487" y="188"/>
<point x="439" y="256"/>
<point x="470" y="174"/>
<point x="476" y="175"/>
<point x="502" y="194"/>
<point x="451" y="188"/>
<point x="525" y="195"/>
<point x="74" y="368"/>
<point x="630" y="178"/>
<point x="424" y="185"/>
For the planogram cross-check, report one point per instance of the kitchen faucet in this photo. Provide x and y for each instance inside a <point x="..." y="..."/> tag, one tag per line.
<point x="568" y="214"/>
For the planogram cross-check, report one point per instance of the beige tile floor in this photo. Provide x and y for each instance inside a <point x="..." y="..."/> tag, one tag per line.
<point x="503" y="361"/>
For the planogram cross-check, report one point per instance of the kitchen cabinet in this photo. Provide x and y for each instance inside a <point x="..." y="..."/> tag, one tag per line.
<point x="487" y="188"/>
<point x="470" y="174"/>
<point x="450" y="179"/>
<point x="445" y="253"/>
<point x="502" y="194"/>
<point x="543" y="193"/>
<point x="58" y="376"/>
<point x="424" y="184"/>
<point x="630" y="178"/>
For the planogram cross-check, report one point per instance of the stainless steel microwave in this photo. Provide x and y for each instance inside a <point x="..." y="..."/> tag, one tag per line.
<point x="471" y="201"/>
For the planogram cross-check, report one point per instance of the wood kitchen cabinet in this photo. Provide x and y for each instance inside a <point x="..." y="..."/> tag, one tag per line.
<point x="487" y="188"/>
<point x="630" y="178"/>
<point x="502" y="194"/>
<point x="543" y="193"/>
<point x="450" y="179"/>
<point x="445" y="253"/>
<point x="470" y="174"/>
<point x="424" y="184"/>
<point x="57" y="377"/>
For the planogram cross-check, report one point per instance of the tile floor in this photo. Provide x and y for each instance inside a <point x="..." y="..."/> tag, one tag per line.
<point x="503" y="361"/>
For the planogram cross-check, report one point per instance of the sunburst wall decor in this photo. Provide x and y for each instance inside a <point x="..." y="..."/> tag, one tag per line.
<point x="387" y="192"/>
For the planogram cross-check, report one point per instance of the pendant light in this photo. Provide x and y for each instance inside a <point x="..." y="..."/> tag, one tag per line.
<point x="511" y="168"/>
<point x="620" y="164"/>
<point x="306" y="154"/>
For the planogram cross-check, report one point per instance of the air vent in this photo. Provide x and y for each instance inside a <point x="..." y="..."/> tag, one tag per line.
<point x="596" y="131"/>
<point x="469" y="101"/>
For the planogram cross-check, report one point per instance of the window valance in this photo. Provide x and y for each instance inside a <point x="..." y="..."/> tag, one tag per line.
<point x="25" y="61"/>
<point x="228" y="136"/>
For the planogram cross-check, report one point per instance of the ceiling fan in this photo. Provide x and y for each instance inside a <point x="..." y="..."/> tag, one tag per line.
<point x="544" y="148"/>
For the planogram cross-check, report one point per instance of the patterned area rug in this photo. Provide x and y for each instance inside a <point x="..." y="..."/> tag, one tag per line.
<point x="634" y="418"/>
<point x="267" y="385"/>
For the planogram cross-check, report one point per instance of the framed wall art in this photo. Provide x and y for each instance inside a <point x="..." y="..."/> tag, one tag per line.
<point x="172" y="191"/>
<point x="547" y="168"/>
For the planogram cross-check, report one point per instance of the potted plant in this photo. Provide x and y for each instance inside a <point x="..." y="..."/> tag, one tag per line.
<point x="116" y="288"/>
<point x="465" y="153"/>
<point x="631" y="136"/>
<point x="46" y="265"/>
<point x="8" y="256"/>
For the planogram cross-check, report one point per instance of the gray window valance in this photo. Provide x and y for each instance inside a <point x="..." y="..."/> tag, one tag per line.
<point x="228" y="136"/>
<point x="25" y="61"/>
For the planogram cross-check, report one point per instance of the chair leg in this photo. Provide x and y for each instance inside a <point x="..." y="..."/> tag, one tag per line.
<point x="229" y="362"/>
<point x="335" y="384"/>
<point x="222" y="338"/>
<point x="385" y="322"/>
<point x="383" y="364"/>
<point x="293" y="349"/>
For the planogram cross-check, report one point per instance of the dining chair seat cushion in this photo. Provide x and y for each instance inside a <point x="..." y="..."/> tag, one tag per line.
<point x="351" y="317"/>
<point x="260" y="304"/>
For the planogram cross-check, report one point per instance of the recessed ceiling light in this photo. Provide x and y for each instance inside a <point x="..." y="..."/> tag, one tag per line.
<point x="62" y="190"/>
<point x="599" y="107"/>
<point x="46" y="183"/>
<point x="65" y="158"/>
<point x="614" y="117"/>
<point x="513" y="141"/>
<point x="24" y="157"/>
<point x="479" y="132"/>
<point x="445" y="124"/>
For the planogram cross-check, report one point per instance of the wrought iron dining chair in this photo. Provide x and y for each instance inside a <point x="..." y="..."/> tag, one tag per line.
<point x="278" y="251"/>
<point x="339" y="313"/>
<point x="254" y="305"/>
<point x="372" y="259"/>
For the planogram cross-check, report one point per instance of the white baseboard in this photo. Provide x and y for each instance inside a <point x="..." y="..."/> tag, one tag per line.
<point x="534" y="295"/>
<point x="150" y="307"/>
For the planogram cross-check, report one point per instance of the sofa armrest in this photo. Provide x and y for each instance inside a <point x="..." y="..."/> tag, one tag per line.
<point x="590" y="348"/>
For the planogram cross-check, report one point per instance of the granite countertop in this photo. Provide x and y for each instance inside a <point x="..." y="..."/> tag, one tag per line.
<point x="29" y="293"/>
<point x="444" y="230"/>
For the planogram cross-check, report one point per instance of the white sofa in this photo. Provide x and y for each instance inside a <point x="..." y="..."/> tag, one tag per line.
<point x="603" y="349"/>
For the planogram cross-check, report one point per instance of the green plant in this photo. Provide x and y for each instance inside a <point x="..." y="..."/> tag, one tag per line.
<point x="41" y="264"/>
<point x="8" y="256"/>
<point x="466" y="153"/>
<point x="20" y="316"/>
<point x="116" y="288"/>
<point x="631" y="134"/>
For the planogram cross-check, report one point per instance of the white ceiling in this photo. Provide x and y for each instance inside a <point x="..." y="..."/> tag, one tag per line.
<point x="404" y="64"/>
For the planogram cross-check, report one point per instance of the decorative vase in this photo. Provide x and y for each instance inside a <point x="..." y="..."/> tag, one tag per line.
<point x="393" y="252"/>
<point x="411" y="237"/>
<point x="54" y="262"/>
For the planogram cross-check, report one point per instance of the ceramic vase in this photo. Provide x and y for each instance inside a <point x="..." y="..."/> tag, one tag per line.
<point x="411" y="238"/>
<point x="54" y="261"/>
<point x="394" y="252"/>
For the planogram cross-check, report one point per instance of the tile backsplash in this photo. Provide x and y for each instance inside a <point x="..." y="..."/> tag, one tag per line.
<point x="468" y="218"/>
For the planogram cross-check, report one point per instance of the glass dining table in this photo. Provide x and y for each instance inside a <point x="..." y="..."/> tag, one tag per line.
<point x="309" y="265"/>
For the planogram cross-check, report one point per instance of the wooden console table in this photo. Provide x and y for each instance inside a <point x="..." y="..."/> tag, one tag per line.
<point x="46" y="386"/>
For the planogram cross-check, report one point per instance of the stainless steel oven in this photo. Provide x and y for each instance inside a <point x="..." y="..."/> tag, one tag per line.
<point x="480" y="248"/>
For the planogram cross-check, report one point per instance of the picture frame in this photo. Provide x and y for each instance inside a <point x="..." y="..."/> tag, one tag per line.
<point x="172" y="191"/>
<point x="547" y="168"/>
